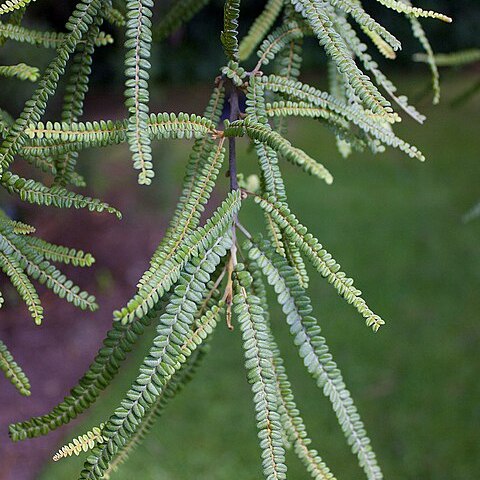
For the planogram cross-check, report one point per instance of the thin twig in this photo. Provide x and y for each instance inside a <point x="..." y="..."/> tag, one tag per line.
<point x="232" y="153"/>
<point x="243" y="230"/>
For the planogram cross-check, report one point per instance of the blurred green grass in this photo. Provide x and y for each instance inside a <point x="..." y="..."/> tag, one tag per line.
<point x="395" y="226"/>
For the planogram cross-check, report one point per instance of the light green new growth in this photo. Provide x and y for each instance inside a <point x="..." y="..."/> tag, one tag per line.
<point x="80" y="444"/>
<point x="195" y="280"/>
<point x="402" y="7"/>
<point x="11" y="5"/>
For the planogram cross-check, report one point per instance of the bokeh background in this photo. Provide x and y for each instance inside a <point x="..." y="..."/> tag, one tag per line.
<point x="394" y="224"/>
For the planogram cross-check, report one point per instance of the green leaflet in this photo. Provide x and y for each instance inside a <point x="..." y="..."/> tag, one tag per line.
<point x="318" y="17"/>
<point x="168" y="272"/>
<point x="119" y="340"/>
<point x="320" y="258"/>
<point x="288" y="64"/>
<point x="45" y="164"/>
<point x="420" y="34"/>
<point x="275" y="234"/>
<point x="35" y="192"/>
<point x="61" y="138"/>
<point x="58" y="253"/>
<point x="272" y="179"/>
<point x="293" y="423"/>
<point x="260" y="375"/>
<point x="235" y="73"/>
<point x="282" y="146"/>
<point x="138" y="44"/>
<point x="295" y="260"/>
<point x="174" y="343"/>
<point x="278" y="41"/>
<point x="81" y="17"/>
<point x="98" y="464"/>
<point x="175" y="384"/>
<point x="14" y="19"/>
<point x="355" y="9"/>
<point x="289" y="60"/>
<point x="22" y="259"/>
<point x="303" y="109"/>
<point x="360" y="50"/>
<point x="75" y="93"/>
<point x="460" y="58"/>
<point x="260" y="28"/>
<point x="199" y="176"/>
<point x="382" y="46"/>
<point x="20" y="228"/>
<point x="114" y="16"/>
<point x="24" y="287"/>
<point x="268" y="159"/>
<point x="12" y="370"/>
<point x="109" y="132"/>
<point x="320" y="101"/>
<point x="23" y="255"/>
<point x="44" y="39"/>
<point x="20" y="71"/>
<point x="229" y="36"/>
<point x="188" y="215"/>
<point x="314" y="351"/>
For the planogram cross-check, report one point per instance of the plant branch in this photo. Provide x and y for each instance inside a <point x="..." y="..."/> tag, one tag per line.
<point x="232" y="152"/>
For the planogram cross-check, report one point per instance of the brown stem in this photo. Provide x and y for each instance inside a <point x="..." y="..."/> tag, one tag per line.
<point x="232" y="151"/>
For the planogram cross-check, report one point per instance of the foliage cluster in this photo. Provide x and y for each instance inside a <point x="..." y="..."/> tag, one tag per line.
<point x="199" y="271"/>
